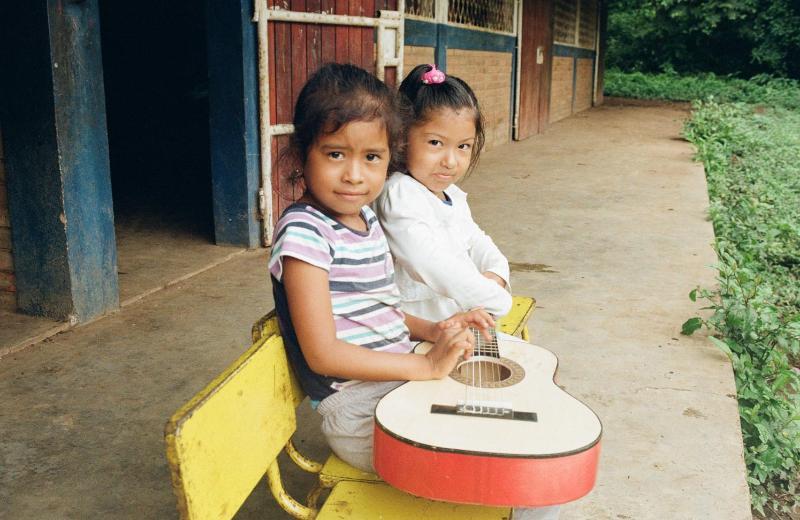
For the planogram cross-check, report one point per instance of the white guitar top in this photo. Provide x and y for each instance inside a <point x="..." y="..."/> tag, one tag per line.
<point x="562" y="424"/>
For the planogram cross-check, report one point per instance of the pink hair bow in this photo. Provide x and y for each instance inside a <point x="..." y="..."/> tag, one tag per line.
<point x="433" y="76"/>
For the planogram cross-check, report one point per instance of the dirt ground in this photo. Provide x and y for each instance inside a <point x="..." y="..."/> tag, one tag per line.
<point x="604" y="220"/>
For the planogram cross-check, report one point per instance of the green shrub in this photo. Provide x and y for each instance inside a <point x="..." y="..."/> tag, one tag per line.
<point x="752" y="161"/>
<point x="760" y="90"/>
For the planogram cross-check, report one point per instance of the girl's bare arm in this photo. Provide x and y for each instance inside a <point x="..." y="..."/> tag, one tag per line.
<point x="310" y="308"/>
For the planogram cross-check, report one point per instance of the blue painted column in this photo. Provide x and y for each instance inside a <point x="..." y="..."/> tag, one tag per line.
<point x="54" y="128"/>
<point x="233" y="110"/>
<point x="440" y="52"/>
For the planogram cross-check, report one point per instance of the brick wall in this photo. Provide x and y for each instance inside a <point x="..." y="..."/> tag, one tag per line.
<point x="583" y="85"/>
<point x="561" y="88"/>
<point x="413" y="56"/>
<point x="489" y="75"/>
<point x="8" y="297"/>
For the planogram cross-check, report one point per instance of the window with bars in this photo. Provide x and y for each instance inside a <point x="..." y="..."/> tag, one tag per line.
<point x="575" y="23"/>
<point x="587" y="28"/>
<point x="421" y="8"/>
<point x="565" y="20"/>
<point x="494" y="15"/>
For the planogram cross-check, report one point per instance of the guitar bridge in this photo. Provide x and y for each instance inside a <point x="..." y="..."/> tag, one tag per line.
<point x="484" y="409"/>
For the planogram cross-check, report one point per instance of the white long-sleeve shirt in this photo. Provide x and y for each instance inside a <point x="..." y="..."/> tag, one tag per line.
<point x="440" y="252"/>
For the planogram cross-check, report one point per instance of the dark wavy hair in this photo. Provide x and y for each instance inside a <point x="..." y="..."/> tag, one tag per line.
<point x="420" y="100"/>
<point x="338" y="94"/>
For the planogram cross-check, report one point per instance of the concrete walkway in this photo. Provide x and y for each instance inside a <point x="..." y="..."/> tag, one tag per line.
<point x="604" y="219"/>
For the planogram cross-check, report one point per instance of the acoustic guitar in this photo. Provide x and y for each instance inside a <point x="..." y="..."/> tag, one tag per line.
<point x="498" y="431"/>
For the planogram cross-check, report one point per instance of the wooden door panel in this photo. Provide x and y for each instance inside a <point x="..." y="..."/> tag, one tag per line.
<point x="296" y="51"/>
<point x="534" y="95"/>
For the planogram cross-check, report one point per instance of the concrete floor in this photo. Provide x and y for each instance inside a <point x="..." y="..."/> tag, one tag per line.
<point x="153" y="252"/>
<point x="604" y="219"/>
<point x="156" y="252"/>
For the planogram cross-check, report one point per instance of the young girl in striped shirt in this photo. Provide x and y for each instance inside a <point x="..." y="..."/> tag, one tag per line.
<point x="332" y="274"/>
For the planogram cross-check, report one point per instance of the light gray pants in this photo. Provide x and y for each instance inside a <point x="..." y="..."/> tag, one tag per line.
<point x="348" y="420"/>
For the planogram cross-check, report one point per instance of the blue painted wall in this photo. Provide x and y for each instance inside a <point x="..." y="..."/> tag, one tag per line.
<point x="56" y="149"/>
<point x="441" y="36"/>
<point x="233" y="105"/>
<point x="565" y="51"/>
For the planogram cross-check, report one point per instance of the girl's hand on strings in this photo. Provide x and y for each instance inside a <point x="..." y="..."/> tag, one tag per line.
<point x="476" y="318"/>
<point x="455" y="343"/>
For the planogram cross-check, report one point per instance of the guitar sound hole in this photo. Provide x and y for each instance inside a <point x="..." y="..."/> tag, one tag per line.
<point x="488" y="373"/>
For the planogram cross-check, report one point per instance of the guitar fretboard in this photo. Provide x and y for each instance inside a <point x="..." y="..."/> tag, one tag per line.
<point x="486" y="347"/>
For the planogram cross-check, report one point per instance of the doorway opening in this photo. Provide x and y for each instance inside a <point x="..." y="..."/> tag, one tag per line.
<point x="155" y="69"/>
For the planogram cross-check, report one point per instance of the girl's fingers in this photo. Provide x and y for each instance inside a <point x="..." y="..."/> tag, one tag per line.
<point x="453" y="343"/>
<point x="485" y="318"/>
<point x="456" y="351"/>
<point x="467" y="348"/>
<point x="459" y="333"/>
<point x="477" y="318"/>
<point x="464" y="350"/>
<point x="480" y="317"/>
<point x="451" y="332"/>
<point x="463" y="340"/>
<point x="445" y="324"/>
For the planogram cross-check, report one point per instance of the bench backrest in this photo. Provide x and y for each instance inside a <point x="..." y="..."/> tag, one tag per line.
<point x="221" y="443"/>
<point x="268" y="326"/>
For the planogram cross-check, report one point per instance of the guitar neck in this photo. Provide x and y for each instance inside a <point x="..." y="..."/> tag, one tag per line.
<point x="486" y="347"/>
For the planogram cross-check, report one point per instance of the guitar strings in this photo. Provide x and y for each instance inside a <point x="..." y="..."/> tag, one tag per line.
<point x="487" y="369"/>
<point x="484" y="372"/>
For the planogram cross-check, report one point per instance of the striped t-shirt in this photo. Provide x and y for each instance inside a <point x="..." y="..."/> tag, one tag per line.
<point x="364" y="297"/>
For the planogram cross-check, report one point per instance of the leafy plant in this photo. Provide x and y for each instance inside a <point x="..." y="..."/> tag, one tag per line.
<point x="752" y="161"/>
<point x="758" y="339"/>
<point x="759" y="90"/>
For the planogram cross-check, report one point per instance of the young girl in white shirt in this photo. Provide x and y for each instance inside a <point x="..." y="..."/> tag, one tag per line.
<point x="444" y="262"/>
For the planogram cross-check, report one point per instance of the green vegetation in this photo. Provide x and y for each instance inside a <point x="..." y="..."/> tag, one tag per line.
<point x="752" y="161"/>
<point x="750" y="146"/>
<point x="744" y="37"/>
<point x="760" y="90"/>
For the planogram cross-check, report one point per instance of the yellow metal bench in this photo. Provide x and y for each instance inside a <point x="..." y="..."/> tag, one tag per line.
<point x="228" y="436"/>
<point x="516" y="321"/>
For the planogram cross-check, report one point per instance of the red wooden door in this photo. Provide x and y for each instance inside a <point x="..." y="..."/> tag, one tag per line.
<point x="297" y="50"/>
<point x="536" y="37"/>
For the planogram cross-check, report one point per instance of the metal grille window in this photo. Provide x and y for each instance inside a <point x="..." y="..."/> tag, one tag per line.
<point x="588" y="24"/>
<point x="576" y="23"/>
<point x="421" y="8"/>
<point x="495" y="15"/>
<point x="565" y="23"/>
